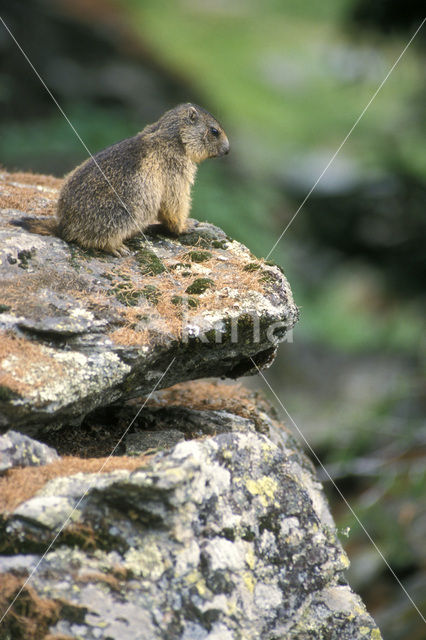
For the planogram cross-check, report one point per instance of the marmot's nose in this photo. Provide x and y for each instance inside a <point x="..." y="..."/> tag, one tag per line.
<point x="225" y="148"/>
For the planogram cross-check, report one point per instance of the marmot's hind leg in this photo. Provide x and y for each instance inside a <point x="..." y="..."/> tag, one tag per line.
<point x="116" y="247"/>
<point x="120" y="251"/>
<point x="114" y="243"/>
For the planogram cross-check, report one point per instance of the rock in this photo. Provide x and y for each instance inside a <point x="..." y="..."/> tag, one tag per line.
<point x="188" y="423"/>
<point x="213" y="525"/>
<point x="225" y="536"/>
<point x="18" y="450"/>
<point x="147" y="441"/>
<point x="80" y="329"/>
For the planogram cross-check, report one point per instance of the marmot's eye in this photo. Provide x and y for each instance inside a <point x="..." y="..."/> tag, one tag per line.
<point x="214" y="131"/>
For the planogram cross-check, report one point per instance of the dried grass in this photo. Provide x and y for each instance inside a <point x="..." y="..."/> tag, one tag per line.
<point x="128" y="337"/>
<point x="31" y="179"/>
<point x="30" y="193"/>
<point x="211" y="396"/>
<point x="30" y="616"/>
<point x="25" y="357"/>
<point x="97" y="577"/>
<point x="21" y="484"/>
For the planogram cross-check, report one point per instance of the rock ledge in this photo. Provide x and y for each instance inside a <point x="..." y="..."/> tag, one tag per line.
<point x="79" y="329"/>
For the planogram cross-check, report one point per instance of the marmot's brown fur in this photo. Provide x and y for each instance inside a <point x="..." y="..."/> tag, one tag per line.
<point x="132" y="184"/>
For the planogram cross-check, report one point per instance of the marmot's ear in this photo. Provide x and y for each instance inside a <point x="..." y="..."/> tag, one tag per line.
<point x="192" y="113"/>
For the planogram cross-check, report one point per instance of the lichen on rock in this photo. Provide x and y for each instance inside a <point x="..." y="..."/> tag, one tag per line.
<point x="18" y="450"/>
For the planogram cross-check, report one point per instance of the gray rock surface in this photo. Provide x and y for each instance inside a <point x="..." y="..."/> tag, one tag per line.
<point x="18" y="450"/>
<point x="80" y="329"/>
<point x="224" y="537"/>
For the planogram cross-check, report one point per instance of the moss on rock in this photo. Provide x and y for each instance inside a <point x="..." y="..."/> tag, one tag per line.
<point x="200" y="285"/>
<point x="200" y="256"/>
<point x="252" y="266"/>
<point x="24" y="256"/>
<point x="150" y="263"/>
<point x="182" y="300"/>
<point x="151" y="293"/>
<point x="271" y="263"/>
<point x="126" y="295"/>
<point x="268" y="277"/>
<point x="204" y="238"/>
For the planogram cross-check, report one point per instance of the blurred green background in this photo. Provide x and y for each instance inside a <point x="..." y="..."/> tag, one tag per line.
<point x="287" y="80"/>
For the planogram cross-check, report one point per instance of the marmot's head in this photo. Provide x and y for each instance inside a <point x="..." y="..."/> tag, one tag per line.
<point x="201" y="135"/>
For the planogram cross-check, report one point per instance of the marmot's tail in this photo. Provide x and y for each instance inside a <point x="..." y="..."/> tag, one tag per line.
<point x="42" y="226"/>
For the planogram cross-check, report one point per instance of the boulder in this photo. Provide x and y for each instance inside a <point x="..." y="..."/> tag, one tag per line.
<point x="217" y="537"/>
<point x="80" y="329"/>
